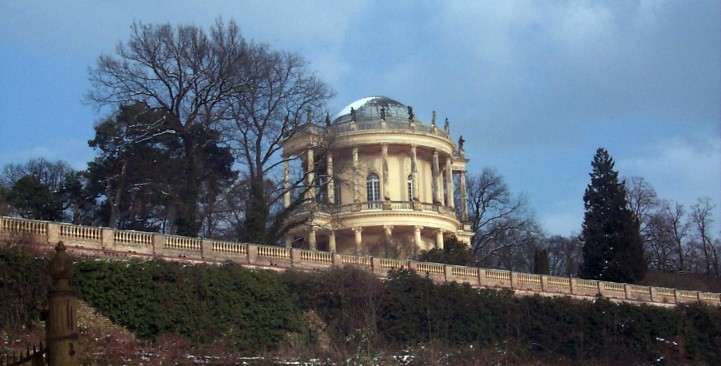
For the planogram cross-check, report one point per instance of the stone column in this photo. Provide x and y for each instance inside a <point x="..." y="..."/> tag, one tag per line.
<point x="310" y="175"/>
<point x="356" y="184"/>
<point x="358" y="239"/>
<point x="312" y="244"/>
<point x="286" y="182"/>
<point x="61" y="330"/>
<point x="450" y="196"/>
<point x="414" y="173"/>
<point x="464" y="197"/>
<point x="384" y="172"/>
<point x="417" y="236"/>
<point x="439" y="239"/>
<point x="438" y="188"/>
<point x="330" y="187"/>
<point x="331" y="241"/>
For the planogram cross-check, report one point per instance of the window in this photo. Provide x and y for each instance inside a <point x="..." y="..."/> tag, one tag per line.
<point x="411" y="187"/>
<point x="373" y="188"/>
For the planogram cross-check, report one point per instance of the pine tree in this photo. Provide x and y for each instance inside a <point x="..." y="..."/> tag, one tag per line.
<point x="612" y="249"/>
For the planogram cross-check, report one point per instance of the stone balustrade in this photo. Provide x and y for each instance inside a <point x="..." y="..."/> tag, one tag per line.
<point x="109" y="241"/>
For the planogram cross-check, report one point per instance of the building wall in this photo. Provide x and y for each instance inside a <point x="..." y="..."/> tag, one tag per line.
<point x="370" y="160"/>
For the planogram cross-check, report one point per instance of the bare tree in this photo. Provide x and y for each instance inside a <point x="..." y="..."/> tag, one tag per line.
<point x="51" y="174"/>
<point x="183" y="72"/>
<point x="497" y="218"/>
<point x="665" y="234"/>
<point x="278" y="99"/>
<point x="642" y="199"/>
<point x="565" y="254"/>
<point x="702" y="220"/>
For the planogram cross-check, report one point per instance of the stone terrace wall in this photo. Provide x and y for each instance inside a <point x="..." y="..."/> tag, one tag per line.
<point x="109" y="242"/>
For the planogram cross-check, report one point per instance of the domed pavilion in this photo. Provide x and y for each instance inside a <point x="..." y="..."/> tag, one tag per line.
<point x="377" y="176"/>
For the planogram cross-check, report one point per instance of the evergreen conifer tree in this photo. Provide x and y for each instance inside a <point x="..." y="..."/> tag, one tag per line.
<point x="612" y="249"/>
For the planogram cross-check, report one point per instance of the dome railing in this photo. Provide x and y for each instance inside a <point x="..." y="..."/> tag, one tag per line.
<point x="381" y="206"/>
<point x="376" y="125"/>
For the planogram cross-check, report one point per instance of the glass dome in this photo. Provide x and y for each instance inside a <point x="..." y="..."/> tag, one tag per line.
<point x="371" y="108"/>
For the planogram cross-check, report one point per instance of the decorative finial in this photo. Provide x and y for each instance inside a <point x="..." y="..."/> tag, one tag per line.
<point x="352" y="114"/>
<point x="461" y="141"/>
<point x="411" y="116"/>
<point x="445" y="125"/>
<point x="383" y="113"/>
<point x="433" y="119"/>
<point x="327" y="119"/>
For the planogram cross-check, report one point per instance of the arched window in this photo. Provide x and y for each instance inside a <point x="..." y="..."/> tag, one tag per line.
<point x="411" y="187"/>
<point x="373" y="187"/>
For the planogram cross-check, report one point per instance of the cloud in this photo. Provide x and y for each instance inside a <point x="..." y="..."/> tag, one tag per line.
<point x="680" y="169"/>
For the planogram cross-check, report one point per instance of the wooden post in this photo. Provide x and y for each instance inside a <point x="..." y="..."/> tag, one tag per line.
<point x="61" y="332"/>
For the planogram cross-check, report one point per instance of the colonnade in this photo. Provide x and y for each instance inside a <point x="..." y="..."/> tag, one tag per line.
<point x="443" y="191"/>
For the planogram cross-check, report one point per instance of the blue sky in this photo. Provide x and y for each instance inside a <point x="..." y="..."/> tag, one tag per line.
<point x="533" y="86"/>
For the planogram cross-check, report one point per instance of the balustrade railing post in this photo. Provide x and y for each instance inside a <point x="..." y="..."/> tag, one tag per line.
<point x="652" y="293"/>
<point x="514" y="280"/>
<point x="205" y="246"/>
<point x="336" y="260"/>
<point x="53" y="235"/>
<point x="626" y="291"/>
<point x="599" y="288"/>
<point x="107" y="238"/>
<point x="252" y="253"/>
<point x="544" y="283"/>
<point x="294" y="257"/>
<point x="572" y="285"/>
<point x="158" y="244"/>
<point x="481" y="277"/>
<point x="447" y="275"/>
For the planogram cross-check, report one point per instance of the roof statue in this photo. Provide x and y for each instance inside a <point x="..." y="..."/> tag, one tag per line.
<point x="411" y="116"/>
<point x="327" y="119"/>
<point x="461" y="141"/>
<point x="433" y="119"/>
<point x="309" y="115"/>
<point x="352" y="114"/>
<point x="383" y="113"/>
<point x="446" y="125"/>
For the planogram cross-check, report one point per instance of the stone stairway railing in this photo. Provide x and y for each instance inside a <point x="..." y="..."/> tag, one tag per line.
<point x="186" y="248"/>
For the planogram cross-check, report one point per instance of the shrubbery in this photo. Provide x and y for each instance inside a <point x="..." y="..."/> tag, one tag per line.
<point x="255" y="311"/>
<point x="249" y="310"/>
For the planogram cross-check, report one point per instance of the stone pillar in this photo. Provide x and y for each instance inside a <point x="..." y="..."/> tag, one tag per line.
<point x="53" y="234"/>
<point x="107" y="236"/>
<point x="312" y="244"/>
<point x="464" y="197"/>
<point x="384" y="171"/>
<point x="330" y="187"/>
<point x="438" y="188"/>
<point x="358" y="239"/>
<point x="310" y="175"/>
<point x="286" y="182"/>
<point x="417" y="236"/>
<point x="61" y="330"/>
<point x="450" y="194"/>
<point x="414" y="173"/>
<point x="356" y="184"/>
<point x="439" y="239"/>
<point x="331" y="242"/>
